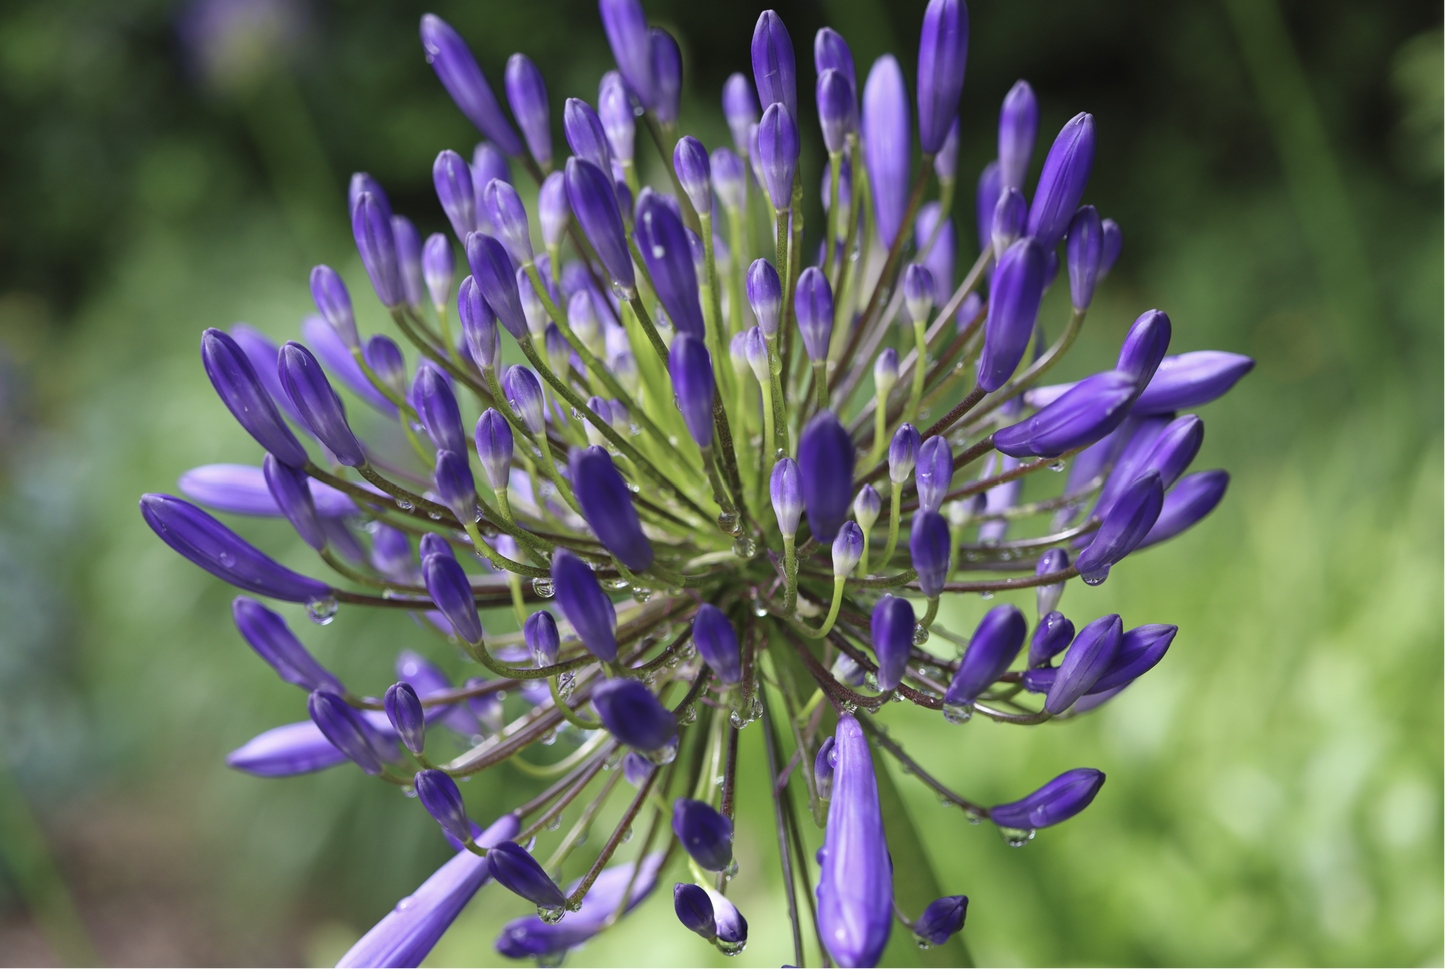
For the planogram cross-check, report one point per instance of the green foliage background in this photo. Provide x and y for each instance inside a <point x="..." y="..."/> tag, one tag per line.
<point x="1274" y="786"/>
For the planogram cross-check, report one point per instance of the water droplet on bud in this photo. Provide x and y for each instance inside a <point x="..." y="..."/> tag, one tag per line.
<point x="1016" y="837"/>
<point x="321" y="611"/>
<point x="542" y="587"/>
<point x="958" y="712"/>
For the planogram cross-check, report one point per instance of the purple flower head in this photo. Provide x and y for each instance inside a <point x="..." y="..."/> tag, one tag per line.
<point x="1193" y="497"/>
<point x="494" y="447"/>
<point x="823" y="762"/>
<point x="730" y="178"/>
<point x="450" y="589"/>
<point x="694" y="910"/>
<point x="436" y="405"/>
<point x="585" y="605"/>
<point x="268" y="634"/>
<point x="886" y="145"/>
<point x="825" y="472"/>
<point x="837" y="109"/>
<point x="404" y="710"/>
<point x="1018" y="128"/>
<point x="1113" y="242"/>
<point x="787" y="494"/>
<point x="317" y="402"/>
<point x="1048" y="596"/>
<point x="717" y="643"/>
<point x="607" y="505"/>
<point x="918" y="292"/>
<point x="813" y="304"/>
<point x="594" y="205"/>
<point x="543" y="640"/>
<point x="586" y="134"/>
<point x="1013" y="307"/>
<point x="457" y="69"/>
<point x="524" y="394"/>
<point x="1058" y="800"/>
<point x="855" y="886"/>
<point x="1089" y="655"/>
<point x="1124" y="528"/>
<point x="371" y="226"/>
<point x="509" y="219"/>
<point x="693" y="386"/>
<point x="479" y="324"/>
<point x="296" y="748"/>
<point x="453" y="180"/>
<point x="704" y="833"/>
<point x="942" y="919"/>
<point x="985" y="200"/>
<point x="633" y="715"/>
<point x="290" y="490"/>
<point x="1084" y="414"/>
<point x="527" y="94"/>
<point x="455" y="485"/>
<point x="1144" y="347"/>
<point x="333" y="302"/>
<point x="1010" y="216"/>
<point x="1061" y="183"/>
<point x="241" y="390"/>
<point x="614" y="109"/>
<point x="930" y="545"/>
<point x="1085" y="249"/>
<point x="496" y="280"/>
<point x="934" y="473"/>
<point x="663" y="243"/>
<point x="666" y="75"/>
<point x="346" y="730"/>
<point x="774" y="69"/>
<point x="765" y="296"/>
<point x="438" y="267"/>
<point x="740" y="108"/>
<point x="1191" y="379"/>
<point x="942" y="56"/>
<point x="690" y="161"/>
<point x="518" y="872"/>
<point x="1051" y="636"/>
<point x="778" y="148"/>
<point x="885" y="378"/>
<point x="995" y="643"/>
<point x="440" y="796"/>
<point x="903" y="453"/>
<point x="384" y="358"/>
<point x="847" y="549"/>
<point x="408" y="260"/>
<point x="626" y="27"/>
<point x="893" y="622"/>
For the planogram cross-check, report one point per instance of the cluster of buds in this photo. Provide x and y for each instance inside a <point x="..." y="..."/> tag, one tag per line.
<point x="694" y="496"/>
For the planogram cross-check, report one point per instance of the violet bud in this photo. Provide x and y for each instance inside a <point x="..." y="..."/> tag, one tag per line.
<point x="496" y="280"/>
<point x="333" y="302"/>
<point x="524" y="394"/>
<point x="1013" y="307"/>
<point x="457" y="69"/>
<point x="740" y="108"/>
<point x="717" y="644"/>
<point x="594" y="205"/>
<point x="455" y="485"/>
<point x="1018" y="128"/>
<point x="823" y="762"/>
<point x="479" y="324"/>
<point x="755" y="349"/>
<point x="559" y="351"/>
<point x="866" y="507"/>
<point x="837" y="109"/>
<point x="318" y="404"/>
<point x="552" y="210"/>
<point x="703" y="832"/>
<point x="1084" y="414"/>
<point x="442" y="799"/>
<point x="663" y="243"/>
<point x="666" y="75"/>
<point x="1191" y="379"/>
<point x="690" y="161"/>
<point x="1061" y="183"/>
<point x="488" y="164"/>
<point x="636" y="768"/>
<point x="453" y="180"/>
<point x="1051" y="637"/>
<point x="825" y="472"/>
<point x="345" y="728"/>
<point x="633" y="715"/>
<point x="494" y="448"/>
<point x="408" y="260"/>
<point x="241" y="390"/>
<point x="942" y="56"/>
<point x="886" y="145"/>
<point x="693" y="386"/>
<point x="939" y="259"/>
<point x="1058" y="800"/>
<point x="363" y="182"/>
<point x="985" y="200"/>
<point x="391" y="551"/>
<point x="787" y="494"/>
<point x="1010" y="216"/>
<point x="1048" y="596"/>
<point x="1193" y="497"/>
<point x="1124" y="528"/>
<point x="1140" y="651"/>
<point x="450" y="589"/>
<point x="765" y="296"/>
<point x="509" y="220"/>
<point x="436" y="405"/>
<point x="267" y="633"/>
<point x="918" y="292"/>
<point x="855" y="886"/>
<point x="941" y="920"/>
<point x="626" y="27"/>
<point x="586" y="134"/>
<point x="527" y="95"/>
<point x="241" y="489"/>
<point x="893" y="622"/>
<point x="931" y="546"/>
<point x="995" y="643"/>
<point x="585" y="605"/>
<point x="404" y="710"/>
<point x="903" y="453"/>
<point x="831" y="53"/>
<point x="847" y="549"/>
<point x="694" y="910"/>
<point x="535" y="313"/>
<point x="885" y="373"/>
<point x="730" y="178"/>
<point x="371" y="226"/>
<point x="607" y="505"/>
<point x="543" y="640"/>
<point x="774" y="69"/>
<point x="934" y="474"/>
<point x="433" y="544"/>
<point x="614" y="110"/>
<point x="1174" y="449"/>
<point x="518" y="872"/>
<point x="290" y="488"/>
<point x="813" y="304"/>
<point x="438" y="268"/>
<point x="258" y="349"/>
<point x="732" y="928"/>
<point x="296" y="748"/>
<point x="945" y="163"/>
<point x="738" y="354"/>
<point x="1089" y="655"/>
<point x="1113" y="242"/>
<point x="1085" y="249"/>
<point x="778" y="148"/>
<point x="1144" y="347"/>
<point x="335" y="357"/>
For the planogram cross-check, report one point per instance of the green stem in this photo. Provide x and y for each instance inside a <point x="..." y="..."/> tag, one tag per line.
<point x="567" y="712"/>
<point x="820" y="383"/>
<point x="895" y="501"/>
<point x="920" y="369"/>
<point x="790" y="575"/>
<point x="833" y="607"/>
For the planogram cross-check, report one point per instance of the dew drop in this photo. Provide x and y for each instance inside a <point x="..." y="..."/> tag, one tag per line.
<point x="745" y="546"/>
<point x="727" y="521"/>
<point x="779" y="454"/>
<point x="985" y="595"/>
<point x="554" y="824"/>
<point x="542" y="587"/>
<point x="626" y="835"/>
<point x="550" y="915"/>
<point x="1056" y="466"/>
<point x="227" y="559"/>
<point x="321" y="611"/>
<point x="662" y="755"/>
<point x="920" y="634"/>
<point x="849" y="706"/>
<point x="688" y="714"/>
<point x="958" y="712"/>
<point x="731" y="948"/>
<point x="615" y="585"/>
<point x="641" y="594"/>
<point x="566" y="683"/>
<point x="921" y="942"/>
<point x="1016" y="837"/>
<point x="404" y="505"/>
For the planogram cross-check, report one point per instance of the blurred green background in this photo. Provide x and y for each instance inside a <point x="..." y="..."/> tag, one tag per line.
<point x="1274" y="791"/>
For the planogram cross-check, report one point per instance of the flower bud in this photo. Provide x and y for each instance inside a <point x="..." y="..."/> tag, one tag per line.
<point x="1018" y="127"/>
<point x="479" y="324"/>
<point x="436" y="405"/>
<point x="694" y="910"/>
<point x="1190" y="380"/>
<point x="487" y="164"/>
<point x="408" y="260"/>
<point x="527" y="95"/>
<point x="1013" y="307"/>
<point x="594" y="205"/>
<point x="693" y="386"/>
<point x="942" y="919"/>
<point x="404" y="710"/>
<point x="543" y="640"/>
<point x="740" y="108"/>
<point x="1053" y="560"/>
<point x="704" y="833"/>
<point x="524" y="394"/>
<point x="813" y="304"/>
<point x="918" y="292"/>
<point x="442" y="799"/>
<point x="778" y="149"/>
<point x="732" y="928"/>
<point x="455" y="485"/>
<point x="934" y="474"/>
<point x="1113" y="241"/>
<point x="666" y="75"/>
<point x="267" y="633"/>
<point x="1085" y="249"/>
<point x="438" y="268"/>
<point x="1010" y="218"/>
<point x="450" y="589"/>
<point x="457" y="69"/>
<point x="241" y="390"/>
<point x="1144" y="347"/>
<point x="662" y="240"/>
<point x="333" y="302"/>
<point x="837" y="109"/>
<point x="847" y="549"/>
<point x="1089" y="655"/>
<point x="363" y="182"/>
<point x="774" y="67"/>
<point x="453" y="180"/>
<point x="1058" y="800"/>
<point x="1124" y="527"/>
<point x="825" y="472"/>
<point x="1082" y="415"/>
<point x="942" y="56"/>
<point x="1061" y="183"/>
<point x="585" y="605"/>
<point x="1139" y="652"/>
<point x="787" y="494"/>
<point x="738" y="354"/>
<point x="614" y="110"/>
<point x="606" y="503"/>
<point x="291" y="491"/>
<point x="903" y="453"/>
<point x="885" y="378"/>
<point x="318" y="404"/>
<point x="717" y="643"/>
<point x="509" y="219"/>
<point x="866" y="507"/>
<point x="346" y="730"/>
<point x="930" y="545"/>
<point x="940" y="258"/>
<point x="1051" y="637"/>
<point x="559" y="351"/>
<point x="1193" y="497"/>
<point x="729" y="178"/>
<point x="855" y="886"/>
<point x="518" y="872"/>
<point x="633" y="715"/>
<point x="372" y="229"/>
<point x="296" y="748"/>
<point x="765" y="295"/>
<point x="892" y="626"/>
<point x="985" y="201"/>
<point x="494" y="448"/>
<point x="690" y="161"/>
<point x="995" y="643"/>
<point x="755" y="351"/>
<point x="496" y="280"/>
<point x="886" y="145"/>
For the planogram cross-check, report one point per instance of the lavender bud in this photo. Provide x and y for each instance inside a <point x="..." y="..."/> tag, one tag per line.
<point x="1084" y="414"/>
<point x="543" y="640"/>
<point x="1061" y="183"/>
<point x="1193" y="497"/>
<point x="663" y="243"/>
<point x="1010" y="215"/>
<point x="1085" y="250"/>
<point x="1144" y="347"/>
<point x="405" y="712"/>
<point x="457" y="69"/>
<point x="995" y="643"/>
<point x="774" y="69"/>
<point x="787" y="493"/>
<point x="408" y="260"/>
<point x="626" y="27"/>
<point x="756" y="349"/>
<point x="371" y="226"/>
<point x="703" y="832"/>
<point x="694" y="910"/>
<point x="813" y="304"/>
<point x="931" y="546"/>
<point x="765" y="296"/>
<point x="241" y="390"/>
<point x="1140" y="651"/>
<point x="855" y="886"/>
<point x="934" y="474"/>
<point x="438" y="268"/>
<point x="453" y="180"/>
<point x="268" y="634"/>
<point x="1013" y="307"/>
<point x="433" y="544"/>
<point x="559" y="351"/>
<point x="636" y="768"/>
<point x="831" y="52"/>
<point x="730" y="178"/>
<point x="241" y="489"/>
<point x="825" y="471"/>
<point x="1018" y="127"/>
<point x="893" y="622"/>
<point x="942" y="919"/>
<point x="666" y="75"/>
<point x="942" y="56"/>
<point x="690" y="161"/>
<point x="552" y="210"/>
<point x="823" y="762"/>
<point x="939" y="259"/>
<point x="732" y="928"/>
<point x="290" y="490"/>
<point x="442" y="799"/>
<point x="436" y="405"/>
<point x="886" y="145"/>
<point x="1058" y="800"/>
<point x="738" y="354"/>
<point x="519" y="873"/>
<point x="1113" y="242"/>
<point x="866" y="507"/>
<point x="494" y="448"/>
<point x="918" y="292"/>
<point x="586" y="134"/>
<point x="479" y="324"/>
<point x="1191" y="379"/>
<point x="847" y="549"/>
<point x="614" y="109"/>
<point x="345" y="729"/>
<point x="527" y="95"/>
<point x="837" y="109"/>
<point x="585" y="606"/>
<point x="778" y="149"/>
<point x="363" y="182"/>
<point x="1124" y="527"/>
<point x="1089" y="655"/>
<point x="885" y="375"/>
<point x="740" y="108"/>
<point x="524" y="394"/>
<point x="633" y="715"/>
<point x="985" y="200"/>
<point x="333" y="302"/>
<point x="261" y="353"/>
<point x="1053" y="560"/>
<point x="455" y="485"/>
<point x="318" y="404"/>
<point x="1052" y="635"/>
<point x="296" y="748"/>
<point x="903" y="453"/>
<point x="496" y="280"/>
<point x="509" y="219"/>
<point x="693" y="387"/>
<point x="449" y="588"/>
<point x="607" y="505"/>
<point x="717" y="643"/>
<point x="488" y="164"/>
<point x="594" y="205"/>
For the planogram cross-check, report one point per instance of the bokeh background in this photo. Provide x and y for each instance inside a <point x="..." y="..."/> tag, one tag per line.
<point x="1274" y="790"/>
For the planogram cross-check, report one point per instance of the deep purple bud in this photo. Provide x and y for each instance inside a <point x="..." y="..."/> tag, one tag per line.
<point x="893" y="622"/>
<point x="449" y="588"/>
<point x="614" y="109"/>
<point x="918" y="292"/>
<point x="730" y="178"/>
<point x="837" y="109"/>
<point x="543" y="640"/>
<point x="813" y="304"/>
<point x="662" y="240"/>
<point x="440" y="796"/>
<point x="1139" y="652"/>
<point x="666" y="75"/>
<point x="694" y="910"/>
<point x="903" y="453"/>
<point x="934" y="474"/>
<point x="454" y="64"/>
<point x="296" y="748"/>
<point x="1052" y="635"/>
<point x="831" y="53"/>
<point x="1048" y="596"/>
<point x="318" y="404"/>
<point x="518" y="872"/>
<point x="527" y="94"/>
<point x="524" y="394"/>
<point x="494" y="448"/>
<point x="455" y="485"/>
<point x="930" y="545"/>
<point x="626" y="27"/>
<point x="268" y="634"/>
<point x="594" y="205"/>
<point x="1018" y="127"/>
<point x="479" y="323"/>
<point x="823" y="762"/>
<point x="1010" y="217"/>
<point x="363" y="182"/>
<point x="509" y="220"/>
<point x="345" y="728"/>
<point x="942" y="56"/>
<point x="717" y="643"/>
<point x="1175" y="448"/>
<point x="384" y="358"/>
<point x="404" y="710"/>
<point x="1085" y="250"/>
<point x="261" y="353"/>
<point x="825" y="472"/>
<point x="453" y="180"/>
<point x="1089" y="655"/>
<point x="693" y="386"/>
<point x="787" y="494"/>
<point x="690" y="161"/>
<point x="586" y="134"/>
<point x="995" y="643"/>
<point x="847" y="549"/>
<point x="1193" y="497"/>
<point x="1113" y="242"/>
<point x="433" y="544"/>
<point x="778" y="149"/>
<point x="1013" y="306"/>
<point x="371" y="226"/>
<point x="1144" y="347"/>
<point x="740" y="108"/>
<point x="765" y="296"/>
<point x="985" y="201"/>
<point x="1058" y="800"/>
<point x="408" y="260"/>
<point x="1061" y="183"/>
<point x="333" y="302"/>
<point x="633" y="715"/>
<point x="438" y="268"/>
<point x="1084" y="414"/>
<point x="1191" y="379"/>
<point x="607" y="505"/>
<point x="336" y="358"/>
<point x="436" y="405"/>
<point x="704" y="833"/>
<point x="774" y="69"/>
<point x="241" y="390"/>
<point x="886" y="145"/>
<point x="941" y="919"/>
<point x="496" y="280"/>
<point x="855" y="886"/>
<point x="292" y="492"/>
<point x="1124" y="528"/>
<point x="585" y="605"/>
